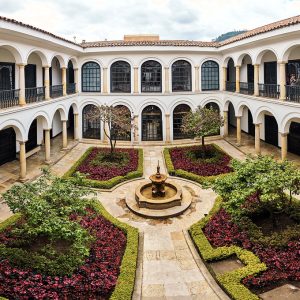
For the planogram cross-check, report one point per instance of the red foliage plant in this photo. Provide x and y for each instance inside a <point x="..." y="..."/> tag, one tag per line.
<point x="201" y="167"/>
<point x="106" y="171"/>
<point x="95" y="279"/>
<point x="283" y="264"/>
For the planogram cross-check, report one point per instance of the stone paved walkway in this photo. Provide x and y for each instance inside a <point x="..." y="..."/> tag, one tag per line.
<point x="169" y="261"/>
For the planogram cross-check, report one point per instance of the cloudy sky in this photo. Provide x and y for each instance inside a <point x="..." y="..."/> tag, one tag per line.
<point x="172" y="19"/>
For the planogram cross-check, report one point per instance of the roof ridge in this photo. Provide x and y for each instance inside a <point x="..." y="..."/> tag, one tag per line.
<point x="37" y="29"/>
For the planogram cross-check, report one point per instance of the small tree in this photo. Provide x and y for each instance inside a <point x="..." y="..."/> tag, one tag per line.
<point x="117" y="122"/>
<point x="202" y="122"/>
<point x="273" y="183"/>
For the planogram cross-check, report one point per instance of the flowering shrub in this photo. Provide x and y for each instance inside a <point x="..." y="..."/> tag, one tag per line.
<point x="95" y="279"/>
<point x="97" y="169"/>
<point x="186" y="158"/>
<point x="283" y="263"/>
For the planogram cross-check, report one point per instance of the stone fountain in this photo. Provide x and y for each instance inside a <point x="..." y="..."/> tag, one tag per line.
<point x="159" y="193"/>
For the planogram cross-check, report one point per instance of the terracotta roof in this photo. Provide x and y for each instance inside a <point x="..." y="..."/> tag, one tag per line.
<point x="36" y="29"/>
<point x="175" y="43"/>
<point x="263" y="29"/>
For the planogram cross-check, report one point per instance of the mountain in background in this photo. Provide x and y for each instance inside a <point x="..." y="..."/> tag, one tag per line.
<point x="228" y="35"/>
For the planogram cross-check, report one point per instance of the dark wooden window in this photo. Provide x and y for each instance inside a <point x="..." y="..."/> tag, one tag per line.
<point x="181" y="76"/>
<point x="250" y="73"/>
<point x="210" y="76"/>
<point x="179" y="112"/>
<point x="90" y="77"/>
<point x="270" y="72"/>
<point x="30" y="76"/>
<point x="120" y="77"/>
<point x="271" y="130"/>
<point x="90" y="126"/>
<point x="152" y="124"/>
<point x="7" y="76"/>
<point x="7" y="145"/>
<point x="151" y="76"/>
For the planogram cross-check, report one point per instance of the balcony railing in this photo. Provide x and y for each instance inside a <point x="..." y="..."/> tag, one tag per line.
<point x="56" y="91"/>
<point x="293" y="93"/>
<point x="71" y="88"/>
<point x="9" y="98"/>
<point x="230" y="86"/>
<point x="35" y="94"/>
<point x="247" y="88"/>
<point x="269" y="90"/>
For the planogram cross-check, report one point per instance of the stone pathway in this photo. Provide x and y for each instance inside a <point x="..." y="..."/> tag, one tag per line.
<point x="171" y="268"/>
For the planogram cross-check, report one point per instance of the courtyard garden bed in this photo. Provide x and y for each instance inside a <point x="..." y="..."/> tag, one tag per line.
<point x="258" y="222"/>
<point x="197" y="163"/>
<point x="76" y="251"/>
<point x="103" y="171"/>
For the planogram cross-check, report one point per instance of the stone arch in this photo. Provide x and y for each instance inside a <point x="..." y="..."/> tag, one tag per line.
<point x="258" y="58"/>
<point x="287" y="120"/>
<point x="40" y="54"/>
<point x="226" y="60"/>
<point x="18" y="128"/>
<point x="15" y="52"/>
<point x="61" y="60"/>
<point x="242" y="56"/>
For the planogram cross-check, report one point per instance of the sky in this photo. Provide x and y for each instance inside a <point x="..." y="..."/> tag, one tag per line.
<point x="94" y="20"/>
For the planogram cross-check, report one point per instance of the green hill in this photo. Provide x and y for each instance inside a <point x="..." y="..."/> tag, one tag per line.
<point x="228" y="35"/>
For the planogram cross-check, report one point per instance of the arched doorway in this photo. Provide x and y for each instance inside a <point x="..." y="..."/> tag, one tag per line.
<point x="8" y="148"/>
<point x="91" y="125"/>
<point x="152" y="124"/>
<point x="179" y="112"/>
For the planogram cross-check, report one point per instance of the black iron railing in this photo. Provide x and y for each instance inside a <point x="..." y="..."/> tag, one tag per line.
<point x="247" y="88"/>
<point x="293" y="93"/>
<point x="56" y="91"/>
<point x="269" y="90"/>
<point x="35" y="94"/>
<point x="71" y="88"/>
<point x="9" y="98"/>
<point x="230" y="86"/>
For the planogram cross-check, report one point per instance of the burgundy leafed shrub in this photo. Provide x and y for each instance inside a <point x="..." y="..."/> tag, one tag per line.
<point x="283" y="264"/>
<point x="107" y="171"/>
<point x="202" y="167"/>
<point x="95" y="279"/>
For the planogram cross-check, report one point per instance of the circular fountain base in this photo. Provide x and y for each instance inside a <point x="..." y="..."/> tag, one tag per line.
<point x="175" y="202"/>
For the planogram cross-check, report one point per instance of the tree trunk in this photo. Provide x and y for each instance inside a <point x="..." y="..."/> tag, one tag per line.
<point x="203" y="147"/>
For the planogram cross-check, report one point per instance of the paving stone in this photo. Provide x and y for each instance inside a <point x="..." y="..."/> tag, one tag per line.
<point x="176" y="289"/>
<point x="153" y="290"/>
<point x="284" y="292"/>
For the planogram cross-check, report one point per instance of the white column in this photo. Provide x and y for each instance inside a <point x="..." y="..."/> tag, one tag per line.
<point x="283" y="145"/>
<point x="197" y="79"/>
<point x="47" y="146"/>
<point x="168" y="139"/>
<point x="225" y="124"/>
<point x="104" y="80"/>
<point x="22" y="100"/>
<point x="167" y="80"/>
<point x="76" y="126"/>
<point x="282" y="78"/>
<point x="47" y="82"/>
<point x="64" y="134"/>
<point x="256" y="80"/>
<point x="237" y="79"/>
<point x="224" y="78"/>
<point x="76" y="80"/>
<point x="238" y="131"/>
<point x="257" y="139"/>
<point x="136" y="80"/>
<point x="64" y="80"/>
<point x="22" y="177"/>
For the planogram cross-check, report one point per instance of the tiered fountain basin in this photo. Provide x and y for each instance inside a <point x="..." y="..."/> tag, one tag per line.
<point x="159" y="198"/>
<point x="173" y="196"/>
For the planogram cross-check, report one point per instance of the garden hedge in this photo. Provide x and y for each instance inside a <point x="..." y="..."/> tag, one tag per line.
<point x="126" y="279"/>
<point x="185" y="174"/>
<point x="107" y="184"/>
<point x="230" y="281"/>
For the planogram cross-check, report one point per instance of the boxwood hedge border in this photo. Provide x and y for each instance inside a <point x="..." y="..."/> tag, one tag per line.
<point x="107" y="184"/>
<point x="229" y="281"/>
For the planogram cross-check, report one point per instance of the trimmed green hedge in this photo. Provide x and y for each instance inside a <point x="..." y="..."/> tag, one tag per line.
<point x="230" y="281"/>
<point x="185" y="174"/>
<point x="107" y="184"/>
<point x="126" y="279"/>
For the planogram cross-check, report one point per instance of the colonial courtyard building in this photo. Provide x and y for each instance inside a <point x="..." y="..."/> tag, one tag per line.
<point x="49" y="84"/>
